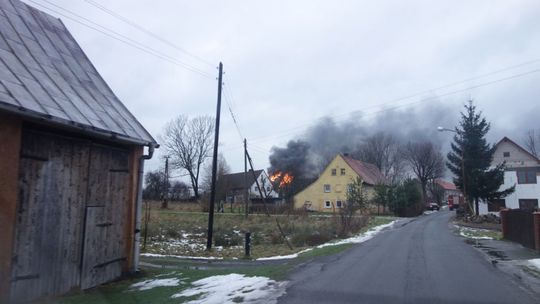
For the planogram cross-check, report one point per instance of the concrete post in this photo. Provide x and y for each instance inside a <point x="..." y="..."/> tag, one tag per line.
<point x="504" y="222"/>
<point x="536" y="217"/>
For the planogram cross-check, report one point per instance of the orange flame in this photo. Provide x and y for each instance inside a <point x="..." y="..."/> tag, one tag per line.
<point x="285" y="180"/>
<point x="275" y="176"/>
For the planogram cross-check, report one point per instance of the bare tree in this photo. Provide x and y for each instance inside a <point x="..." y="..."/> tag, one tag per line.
<point x="425" y="160"/>
<point x="189" y="144"/>
<point x="222" y="169"/>
<point x="532" y="141"/>
<point x="382" y="150"/>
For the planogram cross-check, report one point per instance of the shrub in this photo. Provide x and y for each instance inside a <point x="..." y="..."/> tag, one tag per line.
<point x="221" y="238"/>
<point x="276" y="238"/>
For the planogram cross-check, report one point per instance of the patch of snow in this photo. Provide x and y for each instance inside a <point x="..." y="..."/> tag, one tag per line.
<point x="180" y="256"/>
<point x="359" y="238"/>
<point x="234" y="288"/>
<point x="282" y="257"/>
<point x="469" y="233"/>
<point x="352" y="240"/>
<point x="469" y="236"/>
<point x="166" y="274"/>
<point x="149" y="284"/>
<point x="535" y="263"/>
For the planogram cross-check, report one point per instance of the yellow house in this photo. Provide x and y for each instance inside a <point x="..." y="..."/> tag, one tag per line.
<point x="329" y="191"/>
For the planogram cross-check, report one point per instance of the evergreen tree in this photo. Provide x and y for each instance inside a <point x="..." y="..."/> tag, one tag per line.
<point x="470" y="160"/>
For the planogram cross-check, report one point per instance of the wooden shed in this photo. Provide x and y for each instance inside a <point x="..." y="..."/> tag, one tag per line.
<point x="71" y="159"/>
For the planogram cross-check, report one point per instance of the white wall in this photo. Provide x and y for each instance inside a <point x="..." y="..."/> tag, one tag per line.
<point x="263" y="181"/>
<point x="523" y="191"/>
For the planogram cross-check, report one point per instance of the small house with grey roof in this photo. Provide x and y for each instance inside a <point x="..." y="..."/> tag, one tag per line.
<point x="235" y="186"/>
<point x="71" y="163"/>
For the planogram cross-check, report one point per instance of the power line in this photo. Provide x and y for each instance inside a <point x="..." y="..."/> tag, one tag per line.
<point x="291" y="131"/>
<point x="122" y="38"/>
<point x="233" y="117"/>
<point x="230" y="102"/>
<point x="229" y="88"/>
<point x="302" y="126"/>
<point x="146" y="31"/>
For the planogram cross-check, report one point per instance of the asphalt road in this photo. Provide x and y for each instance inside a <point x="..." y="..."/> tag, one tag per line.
<point x="419" y="262"/>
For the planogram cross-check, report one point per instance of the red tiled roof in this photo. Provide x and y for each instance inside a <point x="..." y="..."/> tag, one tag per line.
<point x="446" y="185"/>
<point x="369" y="173"/>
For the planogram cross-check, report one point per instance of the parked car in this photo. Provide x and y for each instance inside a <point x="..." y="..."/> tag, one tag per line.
<point x="433" y="206"/>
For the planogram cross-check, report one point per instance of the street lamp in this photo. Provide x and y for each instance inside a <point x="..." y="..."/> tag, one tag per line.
<point x="442" y="129"/>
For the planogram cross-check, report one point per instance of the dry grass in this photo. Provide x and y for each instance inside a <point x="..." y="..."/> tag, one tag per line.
<point x="177" y="232"/>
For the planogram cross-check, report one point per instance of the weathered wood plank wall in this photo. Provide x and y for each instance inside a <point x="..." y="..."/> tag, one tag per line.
<point x="10" y="143"/>
<point x="71" y="217"/>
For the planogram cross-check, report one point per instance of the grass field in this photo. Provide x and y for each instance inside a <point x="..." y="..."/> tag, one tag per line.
<point x="177" y="232"/>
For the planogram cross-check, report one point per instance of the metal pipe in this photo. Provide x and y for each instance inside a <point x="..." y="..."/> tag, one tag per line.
<point x="138" y="208"/>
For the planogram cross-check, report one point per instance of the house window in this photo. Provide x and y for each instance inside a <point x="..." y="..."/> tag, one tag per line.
<point x="338" y="204"/>
<point x="337" y="188"/>
<point x="496" y="205"/>
<point x="342" y="171"/>
<point x="327" y="204"/>
<point x="327" y="188"/>
<point x="333" y="172"/>
<point x="526" y="176"/>
<point x="268" y="189"/>
<point x="528" y="204"/>
<point x="506" y="154"/>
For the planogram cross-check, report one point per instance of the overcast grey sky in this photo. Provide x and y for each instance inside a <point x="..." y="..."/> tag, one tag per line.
<point x="289" y="63"/>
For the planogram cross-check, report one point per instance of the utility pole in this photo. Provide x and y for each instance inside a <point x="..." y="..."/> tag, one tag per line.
<point x="214" y="163"/>
<point x="165" y="203"/>
<point x="246" y="190"/>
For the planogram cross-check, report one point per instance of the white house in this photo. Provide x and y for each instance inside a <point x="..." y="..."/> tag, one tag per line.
<point x="522" y="170"/>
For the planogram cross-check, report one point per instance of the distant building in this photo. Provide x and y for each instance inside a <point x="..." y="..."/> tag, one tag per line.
<point x="522" y="170"/>
<point x="235" y="189"/>
<point x="451" y="194"/>
<point x="329" y="192"/>
<point x="70" y="164"/>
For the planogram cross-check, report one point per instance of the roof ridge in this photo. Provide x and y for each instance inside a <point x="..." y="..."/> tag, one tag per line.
<point x="517" y="145"/>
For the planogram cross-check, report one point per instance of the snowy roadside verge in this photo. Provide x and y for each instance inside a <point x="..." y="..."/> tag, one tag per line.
<point x="477" y="233"/>
<point x="234" y="288"/>
<point x="534" y="263"/>
<point x="156" y="255"/>
<point x="153" y="283"/>
<point x="360" y="238"/>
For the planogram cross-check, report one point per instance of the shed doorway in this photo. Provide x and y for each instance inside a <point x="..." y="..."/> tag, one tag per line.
<point x="72" y="214"/>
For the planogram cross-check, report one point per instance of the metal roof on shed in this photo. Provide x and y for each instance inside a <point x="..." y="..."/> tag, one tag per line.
<point x="45" y="74"/>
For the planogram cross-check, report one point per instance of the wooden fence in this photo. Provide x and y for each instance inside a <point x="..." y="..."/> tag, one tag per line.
<point x="519" y="226"/>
